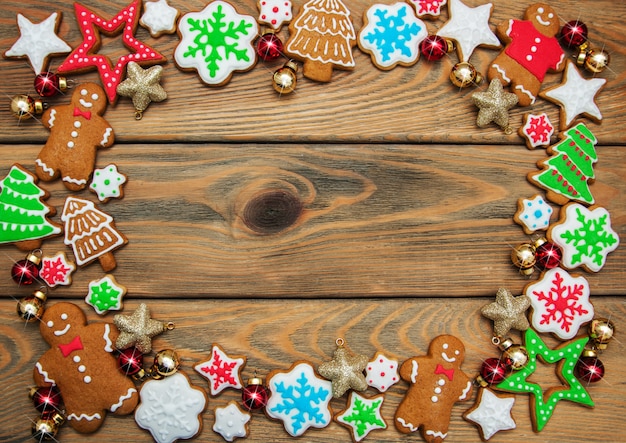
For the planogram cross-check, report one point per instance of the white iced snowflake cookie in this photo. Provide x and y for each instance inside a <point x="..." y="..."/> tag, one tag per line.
<point x="381" y="372"/>
<point x="533" y="214"/>
<point x="300" y="398"/>
<point x="391" y="35"/>
<point x="275" y="12"/>
<point x="231" y="422"/>
<point x="159" y="18"/>
<point x="216" y="42"/>
<point x="107" y="183"/>
<point x="172" y="400"/>
<point x="221" y="370"/>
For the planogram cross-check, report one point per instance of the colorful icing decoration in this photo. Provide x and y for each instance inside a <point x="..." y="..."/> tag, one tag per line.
<point x="491" y="413"/>
<point x="172" y="401"/>
<point x="91" y="233"/>
<point x="221" y="370"/>
<point x="585" y="237"/>
<point x="216" y="42"/>
<point x="231" y="422"/>
<point x="381" y="372"/>
<point x="427" y="8"/>
<point x="137" y="329"/>
<point x="38" y="41"/>
<point x="105" y="294"/>
<point x="322" y="36"/>
<point x="576" y="96"/>
<point x="560" y="303"/>
<point x="469" y="28"/>
<point x="82" y="364"/>
<point x="532" y="49"/>
<point x="23" y="212"/>
<point x="566" y="173"/>
<point x="533" y="214"/>
<point x="536" y="130"/>
<point x="299" y="398"/>
<point x="391" y="35"/>
<point x="362" y="415"/>
<point x="544" y="402"/>
<point x="275" y="12"/>
<point x="345" y="371"/>
<point x="159" y="18"/>
<point x="107" y="183"/>
<point x="56" y="270"/>
<point x="507" y="312"/>
<point x="85" y="56"/>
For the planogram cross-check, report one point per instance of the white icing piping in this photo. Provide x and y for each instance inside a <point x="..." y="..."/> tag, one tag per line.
<point x="128" y="395"/>
<point x="44" y="374"/>
<point x="84" y="416"/>
<point x="109" y="344"/>
<point x="62" y="331"/>
<point x="411" y="427"/>
<point x="465" y="391"/>
<point x="437" y="434"/>
<point x="105" y="138"/>
<point x="446" y="358"/>
<point x="501" y="72"/>
<point x="45" y="167"/>
<point x="414" y="371"/>
<point x="527" y="92"/>
<point x="53" y="113"/>
<point x="73" y="180"/>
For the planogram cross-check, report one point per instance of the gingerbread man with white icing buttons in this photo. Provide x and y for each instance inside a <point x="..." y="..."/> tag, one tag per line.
<point x="532" y="49"/>
<point x="77" y="131"/>
<point x="81" y="364"/>
<point x="436" y="383"/>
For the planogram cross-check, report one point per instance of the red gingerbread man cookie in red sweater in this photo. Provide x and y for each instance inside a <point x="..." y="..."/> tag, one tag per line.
<point x="532" y="50"/>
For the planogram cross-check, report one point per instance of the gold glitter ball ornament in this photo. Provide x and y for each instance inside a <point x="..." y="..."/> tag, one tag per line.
<point x="494" y="105"/>
<point x="142" y="86"/>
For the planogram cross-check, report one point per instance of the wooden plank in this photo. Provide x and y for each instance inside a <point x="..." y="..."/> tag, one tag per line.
<point x="374" y="220"/>
<point x="415" y="104"/>
<point x="273" y="334"/>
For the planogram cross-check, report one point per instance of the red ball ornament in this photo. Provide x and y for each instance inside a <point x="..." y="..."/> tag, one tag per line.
<point x="434" y="47"/>
<point x="589" y="369"/>
<point x="26" y="272"/>
<point x="48" y="84"/>
<point x="130" y="361"/>
<point x="493" y="370"/>
<point x="47" y="400"/>
<point x="269" y="47"/>
<point x="574" y="33"/>
<point x="548" y="256"/>
<point x="254" y="396"/>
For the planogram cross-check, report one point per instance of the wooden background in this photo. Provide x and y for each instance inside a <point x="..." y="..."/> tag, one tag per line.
<point x="404" y="232"/>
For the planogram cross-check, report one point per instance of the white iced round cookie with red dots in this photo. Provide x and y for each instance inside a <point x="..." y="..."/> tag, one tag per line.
<point x="381" y="372"/>
<point x="275" y="12"/>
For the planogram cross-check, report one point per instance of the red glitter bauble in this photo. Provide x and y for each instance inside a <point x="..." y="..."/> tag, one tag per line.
<point x="493" y="370"/>
<point x="548" y="256"/>
<point x="47" y="400"/>
<point x="25" y="272"/>
<point x="589" y="369"/>
<point x="254" y="397"/>
<point x="574" y="33"/>
<point x="130" y="361"/>
<point x="47" y="84"/>
<point x="269" y="47"/>
<point x="434" y="47"/>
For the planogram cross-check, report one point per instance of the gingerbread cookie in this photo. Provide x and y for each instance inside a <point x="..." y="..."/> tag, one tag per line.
<point x="536" y="130"/>
<point x="23" y="213"/>
<point x="532" y="49"/>
<point x="322" y="36"/>
<point x="216" y="42"/>
<point x="391" y="34"/>
<point x="436" y="383"/>
<point x="80" y="362"/>
<point x="77" y="131"/>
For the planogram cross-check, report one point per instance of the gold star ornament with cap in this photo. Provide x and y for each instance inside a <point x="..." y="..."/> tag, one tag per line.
<point x="494" y="105"/>
<point x="345" y="370"/>
<point x="507" y="312"/>
<point x="142" y="86"/>
<point x="138" y="329"/>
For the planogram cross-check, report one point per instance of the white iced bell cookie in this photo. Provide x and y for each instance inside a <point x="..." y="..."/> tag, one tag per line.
<point x="159" y="18"/>
<point x="231" y="422"/>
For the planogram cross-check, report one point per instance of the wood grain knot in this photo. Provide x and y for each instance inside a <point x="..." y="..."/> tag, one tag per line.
<point x="272" y="211"/>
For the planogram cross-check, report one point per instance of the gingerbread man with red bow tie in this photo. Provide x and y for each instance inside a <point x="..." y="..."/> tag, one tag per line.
<point x="77" y="131"/>
<point x="436" y="383"/>
<point x="80" y="362"/>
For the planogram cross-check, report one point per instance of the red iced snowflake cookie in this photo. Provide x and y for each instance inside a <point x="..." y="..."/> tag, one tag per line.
<point x="427" y="8"/>
<point x="536" y="130"/>
<point x="57" y="270"/>
<point x="221" y="370"/>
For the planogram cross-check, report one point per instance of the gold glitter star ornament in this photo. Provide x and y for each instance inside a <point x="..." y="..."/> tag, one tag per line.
<point x="142" y="86"/>
<point x="507" y="312"/>
<point x="345" y="370"/>
<point x="494" y="105"/>
<point x="138" y="329"/>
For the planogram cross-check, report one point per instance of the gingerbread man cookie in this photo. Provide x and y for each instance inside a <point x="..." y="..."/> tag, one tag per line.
<point x="436" y="383"/>
<point x="80" y="362"/>
<point x="532" y="49"/>
<point x="77" y="131"/>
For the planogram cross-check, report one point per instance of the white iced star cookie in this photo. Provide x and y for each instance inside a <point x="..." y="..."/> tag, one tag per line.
<point x="231" y="422"/>
<point x="362" y="415"/>
<point x="38" y="41"/>
<point x="381" y="372"/>
<point x="159" y="18"/>
<point x="469" y="28"/>
<point x="221" y="371"/>
<point x="492" y="413"/>
<point x="533" y="214"/>
<point x="576" y="96"/>
<point x="172" y="400"/>
<point x="107" y="183"/>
